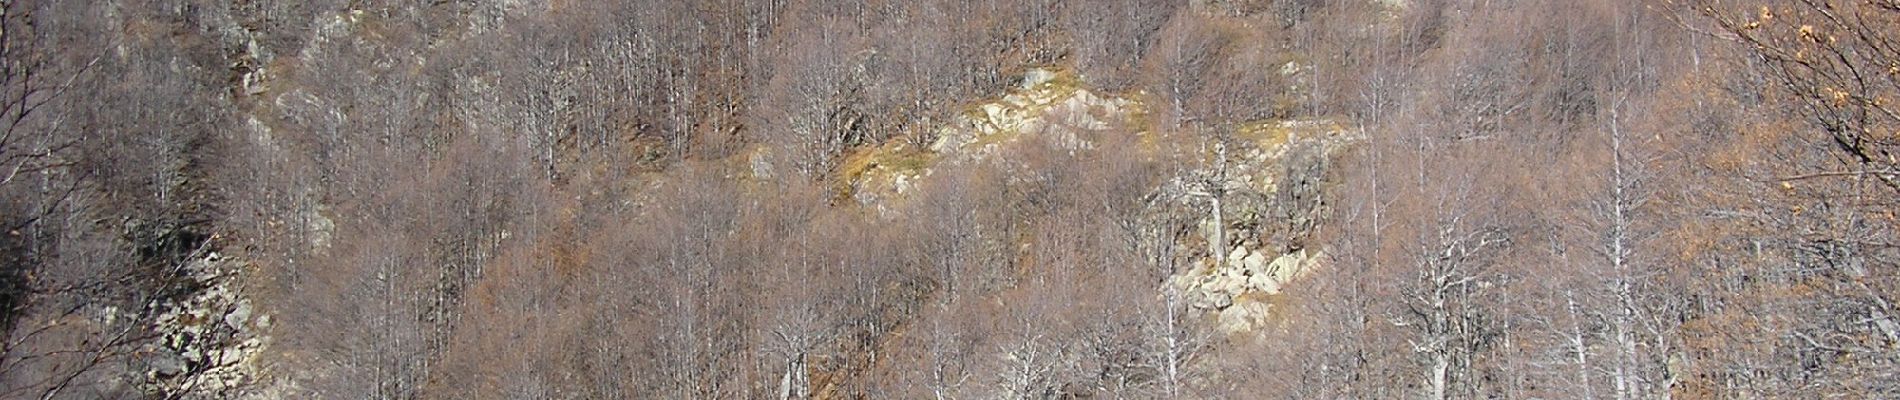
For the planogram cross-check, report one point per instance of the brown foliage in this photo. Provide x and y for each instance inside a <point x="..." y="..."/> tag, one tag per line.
<point x="1544" y="199"/>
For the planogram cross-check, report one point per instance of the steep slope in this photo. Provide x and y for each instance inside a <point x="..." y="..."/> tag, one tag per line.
<point x="1272" y="183"/>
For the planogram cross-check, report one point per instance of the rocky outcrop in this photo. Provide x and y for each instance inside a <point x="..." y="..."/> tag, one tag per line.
<point x="1269" y="185"/>
<point x="1270" y="201"/>
<point x="207" y="343"/>
<point x="1050" y="105"/>
<point x="1239" y="292"/>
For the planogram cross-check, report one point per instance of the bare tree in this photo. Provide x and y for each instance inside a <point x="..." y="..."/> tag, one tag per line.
<point x="94" y="232"/>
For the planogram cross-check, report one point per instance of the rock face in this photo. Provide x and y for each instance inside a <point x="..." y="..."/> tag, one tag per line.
<point x="1049" y="105"/>
<point x="1269" y="186"/>
<point x="207" y="341"/>
<point x="1237" y="292"/>
<point x="1270" y="203"/>
<point x="1243" y="316"/>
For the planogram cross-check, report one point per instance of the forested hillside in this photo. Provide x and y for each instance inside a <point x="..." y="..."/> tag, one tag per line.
<point x="949" y="199"/>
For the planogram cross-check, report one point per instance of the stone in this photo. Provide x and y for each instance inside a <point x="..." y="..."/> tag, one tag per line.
<point x="1085" y="98"/>
<point x="901" y="183"/>
<point x="229" y="357"/>
<point x="1255" y="263"/>
<point x="319" y="225"/>
<point x="1264" y="284"/>
<point x="1289" y="68"/>
<point x="1035" y="126"/>
<point x="1287" y="266"/>
<point x="1209" y="300"/>
<point x="1234" y="320"/>
<point x="1229" y="285"/>
<point x="1037" y="77"/>
<point x="253" y="82"/>
<point x="1220" y="300"/>
<point x="995" y="113"/>
<point x="1242" y="316"/>
<point x="167" y="364"/>
<point x="239" y="315"/>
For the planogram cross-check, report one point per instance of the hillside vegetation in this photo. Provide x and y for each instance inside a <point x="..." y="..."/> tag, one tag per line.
<point x="949" y="199"/>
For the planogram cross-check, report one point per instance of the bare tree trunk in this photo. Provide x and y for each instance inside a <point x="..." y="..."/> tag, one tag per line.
<point x="1174" y="353"/>
<point x="1580" y="345"/>
<point x="1623" y="198"/>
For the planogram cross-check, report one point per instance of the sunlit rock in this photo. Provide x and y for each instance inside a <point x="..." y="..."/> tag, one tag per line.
<point x="1243" y="316"/>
